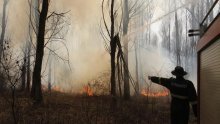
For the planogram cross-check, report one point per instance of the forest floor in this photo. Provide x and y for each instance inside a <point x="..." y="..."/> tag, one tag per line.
<point x="62" y="108"/>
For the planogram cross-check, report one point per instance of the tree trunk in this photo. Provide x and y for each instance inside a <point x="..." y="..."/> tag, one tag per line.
<point x="29" y="52"/>
<point x="137" y="73"/>
<point x="2" y="38"/>
<point x="169" y="40"/>
<point x="3" y="25"/>
<point x="28" y="71"/>
<point x="125" y="31"/>
<point x="113" y="80"/>
<point x="178" y="59"/>
<point x="50" y="73"/>
<point x="126" y="74"/>
<point x="36" y="92"/>
<point x="35" y="12"/>
<point x="23" y="76"/>
<point x="113" y="50"/>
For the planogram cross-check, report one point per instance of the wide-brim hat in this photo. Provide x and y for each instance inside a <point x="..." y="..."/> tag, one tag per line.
<point x="179" y="71"/>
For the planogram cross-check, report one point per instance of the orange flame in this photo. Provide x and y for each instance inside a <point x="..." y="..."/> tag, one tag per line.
<point x="57" y="88"/>
<point x="54" y="88"/>
<point x="145" y="92"/>
<point x="87" y="90"/>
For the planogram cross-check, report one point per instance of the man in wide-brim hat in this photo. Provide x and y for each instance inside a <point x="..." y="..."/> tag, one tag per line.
<point x="182" y="92"/>
<point x="179" y="71"/>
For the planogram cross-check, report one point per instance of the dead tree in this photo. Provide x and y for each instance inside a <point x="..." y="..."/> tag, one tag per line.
<point x="36" y="92"/>
<point x="12" y="73"/>
<point x="113" y="49"/>
<point x="52" y="31"/>
<point x="112" y="36"/>
<point x="56" y="30"/>
<point x="130" y="10"/>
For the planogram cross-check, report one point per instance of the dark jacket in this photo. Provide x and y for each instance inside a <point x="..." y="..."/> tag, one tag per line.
<point x="182" y="92"/>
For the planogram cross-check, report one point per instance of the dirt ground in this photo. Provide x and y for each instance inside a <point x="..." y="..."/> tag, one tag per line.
<point x="61" y="108"/>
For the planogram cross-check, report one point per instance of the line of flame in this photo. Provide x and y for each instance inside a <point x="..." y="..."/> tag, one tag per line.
<point x="155" y="94"/>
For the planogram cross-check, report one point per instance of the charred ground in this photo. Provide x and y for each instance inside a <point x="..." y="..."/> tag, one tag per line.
<point x="63" y="108"/>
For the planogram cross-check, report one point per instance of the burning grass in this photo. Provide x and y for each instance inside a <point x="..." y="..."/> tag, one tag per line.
<point x="63" y="108"/>
<point x="163" y="93"/>
<point x="87" y="90"/>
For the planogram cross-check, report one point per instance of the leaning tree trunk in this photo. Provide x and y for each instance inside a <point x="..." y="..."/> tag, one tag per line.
<point x="36" y="92"/>
<point x="125" y="31"/>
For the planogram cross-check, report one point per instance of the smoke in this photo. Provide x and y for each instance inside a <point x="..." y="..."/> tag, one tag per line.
<point x="16" y="20"/>
<point x="87" y="55"/>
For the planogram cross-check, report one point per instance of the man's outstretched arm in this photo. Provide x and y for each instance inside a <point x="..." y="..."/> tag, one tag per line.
<point x="161" y="81"/>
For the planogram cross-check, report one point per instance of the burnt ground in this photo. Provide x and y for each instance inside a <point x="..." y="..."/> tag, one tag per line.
<point x="61" y="108"/>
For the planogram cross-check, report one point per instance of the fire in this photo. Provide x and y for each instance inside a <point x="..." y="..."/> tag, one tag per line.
<point x="58" y="89"/>
<point x="145" y="92"/>
<point x="54" y="88"/>
<point x="87" y="90"/>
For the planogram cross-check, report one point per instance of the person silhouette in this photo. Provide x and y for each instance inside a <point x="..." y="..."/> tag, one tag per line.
<point x="182" y="93"/>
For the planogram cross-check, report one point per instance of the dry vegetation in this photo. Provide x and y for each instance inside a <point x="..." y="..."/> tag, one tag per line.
<point x="60" y="108"/>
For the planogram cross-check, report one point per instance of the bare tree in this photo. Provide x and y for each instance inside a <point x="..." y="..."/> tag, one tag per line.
<point x="113" y="44"/>
<point x="49" y="29"/>
<point x="131" y="9"/>
<point x="12" y="75"/>
<point x="112" y="36"/>
<point x="114" y="40"/>
<point x="36" y="92"/>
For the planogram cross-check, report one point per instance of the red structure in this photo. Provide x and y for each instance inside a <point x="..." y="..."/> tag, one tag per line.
<point x="208" y="50"/>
